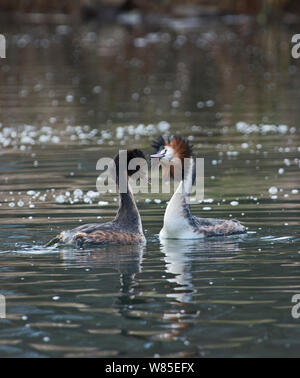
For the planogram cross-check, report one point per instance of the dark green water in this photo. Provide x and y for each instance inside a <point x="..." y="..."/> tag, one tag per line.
<point x="66" y="94"/>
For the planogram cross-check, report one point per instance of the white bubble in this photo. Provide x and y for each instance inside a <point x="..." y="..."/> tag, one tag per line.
<point x="135" y="96"/>
<point x="210" y="103"/>
<point x="55" y="139"/>
<point x="91" y="194"/>
<point x="273" y="190"/>
<point x="97" y="89"/>
<point x="78" y="193"/>
<point x="140" y="42"/>
<point x="163" y="126"/>
<point x="60" y="198"/>
<point x="69" y="98"/>
<point x="102" y="203"/>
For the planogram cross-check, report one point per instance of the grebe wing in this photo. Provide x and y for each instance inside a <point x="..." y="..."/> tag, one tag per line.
<point x="85" y="228"/>
<point x="91" y="227"/>
<point x="102" y="237"/>
<point x="97" y="234"/>
<point x="218" y="227"/>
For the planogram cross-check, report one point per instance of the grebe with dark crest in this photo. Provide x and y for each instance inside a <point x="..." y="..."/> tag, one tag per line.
<point x="126" y="228"/>
<point x="179" y="223"/>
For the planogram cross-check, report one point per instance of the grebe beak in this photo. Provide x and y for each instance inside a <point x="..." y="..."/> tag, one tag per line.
<point x="145" y="178"/>
<point x="159" y="155"/>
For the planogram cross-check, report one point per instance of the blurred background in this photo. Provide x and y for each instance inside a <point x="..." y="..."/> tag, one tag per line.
<point x="95" y="8"/>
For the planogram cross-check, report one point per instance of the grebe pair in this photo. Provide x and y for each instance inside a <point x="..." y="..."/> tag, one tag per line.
<point x="179" y="223"/>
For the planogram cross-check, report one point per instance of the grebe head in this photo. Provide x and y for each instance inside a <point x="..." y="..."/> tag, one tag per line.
<point x="174" y="147"/>
<point x="172" y="151"/>
<point x="131" y="154"/>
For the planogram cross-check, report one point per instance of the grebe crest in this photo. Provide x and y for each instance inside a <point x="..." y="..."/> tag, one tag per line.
<point x="172" y="152"/>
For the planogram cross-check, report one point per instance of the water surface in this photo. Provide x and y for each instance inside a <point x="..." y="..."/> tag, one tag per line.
<point x="72" y="94"/>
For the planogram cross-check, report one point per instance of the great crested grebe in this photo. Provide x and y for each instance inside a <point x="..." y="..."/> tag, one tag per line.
<point x="179" y="223"/>
<point x="126" y="228"/>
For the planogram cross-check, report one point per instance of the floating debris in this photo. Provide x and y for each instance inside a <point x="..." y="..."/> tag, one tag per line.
<point x="26" y="136"/>
<point x="273" y="190"/>
<point x="92" y="195"/>
<point x="247" y="128"/>
<point x="60" y="198"/>
<point x="102" y="203"/>
<point x="78" y="193"/>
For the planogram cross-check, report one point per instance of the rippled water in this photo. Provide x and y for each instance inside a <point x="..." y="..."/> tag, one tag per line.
<point x="70" y="95"/>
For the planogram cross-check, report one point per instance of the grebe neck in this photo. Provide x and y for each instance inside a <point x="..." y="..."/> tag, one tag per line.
<point x="178" y="216"/>
<point x="128" y="215"/>
<point x="185" y="186"/>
